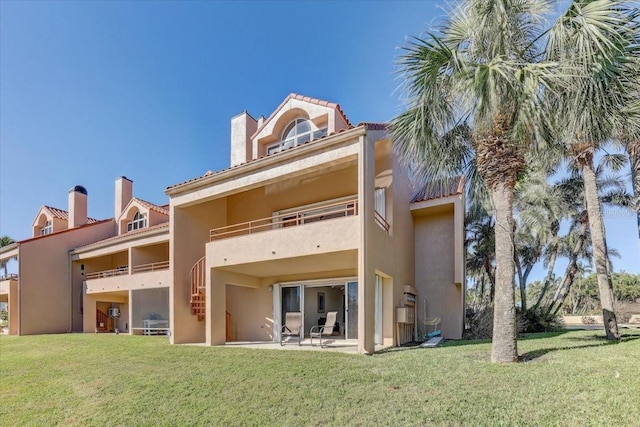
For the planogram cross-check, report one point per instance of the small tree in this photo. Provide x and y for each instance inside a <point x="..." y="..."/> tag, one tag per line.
<point x="6" y="241"/>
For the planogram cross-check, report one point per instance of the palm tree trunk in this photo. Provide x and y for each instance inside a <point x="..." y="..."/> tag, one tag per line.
<point x="572" y="268"/>
<point x="504" y="345"/>
<point x="551" y="266"/>
<point x="522" y="282"/>
<point x="633" y="149"/>
<point x="596" y="225"/>
<point x="492" y="278"/>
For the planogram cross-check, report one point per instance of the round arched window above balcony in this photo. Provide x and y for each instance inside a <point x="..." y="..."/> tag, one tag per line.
<point x="297" y="132"/>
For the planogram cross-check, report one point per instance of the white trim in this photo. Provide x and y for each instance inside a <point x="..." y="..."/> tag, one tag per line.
<point x="317" y="204"/>
<point x="320" y="282"/>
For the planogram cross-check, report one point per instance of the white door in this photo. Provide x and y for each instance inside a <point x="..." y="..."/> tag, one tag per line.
<point x="378" y="311"/>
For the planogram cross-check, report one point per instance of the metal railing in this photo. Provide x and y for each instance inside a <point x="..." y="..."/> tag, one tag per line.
<point x="120" y="271"/>
<point x="288" y="219"/>
<point x="153" y="266"/>
<point x="8" y="277"/>
<point x="381" y="221"/>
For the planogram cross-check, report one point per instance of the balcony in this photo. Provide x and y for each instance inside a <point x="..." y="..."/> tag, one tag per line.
<point x="119" y="271"/>
<point x="288" y="219"/>
<point x="154" y="266"/>
<point x="295" y="218"/>
<point x="143" y="276"/>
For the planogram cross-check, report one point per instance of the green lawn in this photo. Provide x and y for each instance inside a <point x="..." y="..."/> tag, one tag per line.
<point x="569" y="379"/>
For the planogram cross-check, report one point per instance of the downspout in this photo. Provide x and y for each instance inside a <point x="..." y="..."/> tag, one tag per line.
<point x="71" y="292"/>
<point x="19" y="329"/>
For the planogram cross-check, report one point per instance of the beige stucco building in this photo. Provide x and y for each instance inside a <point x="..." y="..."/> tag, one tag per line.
<point x="89" y="275"/>
<point x="314" y="215"/>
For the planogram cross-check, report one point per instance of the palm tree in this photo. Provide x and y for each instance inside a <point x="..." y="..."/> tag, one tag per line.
<point x="596" y="41"/>
<point x="539" y="211"/>
<point x="472" y="95"/>
<point x="5" y="241"/>
<point x="480" y="244"/>
<point x="576" y="245"/>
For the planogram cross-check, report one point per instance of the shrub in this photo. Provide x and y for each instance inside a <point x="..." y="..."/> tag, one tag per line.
<point x="528" y="321"/>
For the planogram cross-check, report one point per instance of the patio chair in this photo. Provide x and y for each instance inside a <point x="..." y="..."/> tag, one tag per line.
<point x="292" y="326"/>
<point x="433" y="323"/>
<point x="326" y="329"/>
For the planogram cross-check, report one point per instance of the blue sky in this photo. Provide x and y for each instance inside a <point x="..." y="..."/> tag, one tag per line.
<point x="90" y="91"/>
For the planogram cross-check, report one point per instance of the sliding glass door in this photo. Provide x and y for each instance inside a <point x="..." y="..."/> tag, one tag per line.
<point x="291" y="296"/>
<point x="351" y="303"/>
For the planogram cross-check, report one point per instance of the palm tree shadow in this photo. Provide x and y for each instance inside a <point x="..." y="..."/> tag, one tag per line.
<point x="536" y="355"/>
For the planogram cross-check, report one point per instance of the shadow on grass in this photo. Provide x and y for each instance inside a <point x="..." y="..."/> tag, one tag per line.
<point x="523" y="337"/>
<point x="541" y="335"/>
<point x="600" y="341"/>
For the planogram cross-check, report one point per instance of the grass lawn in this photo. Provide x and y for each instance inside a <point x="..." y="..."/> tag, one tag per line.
<point x="569" y="379"/>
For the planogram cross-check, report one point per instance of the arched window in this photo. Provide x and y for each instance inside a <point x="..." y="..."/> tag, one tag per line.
<point x="296" y="133"/>
<point x="47" y="229"/>
<point x="139" y="221"/>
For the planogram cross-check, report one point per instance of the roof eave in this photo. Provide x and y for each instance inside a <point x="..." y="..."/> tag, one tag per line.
<point x="266" y="161"/>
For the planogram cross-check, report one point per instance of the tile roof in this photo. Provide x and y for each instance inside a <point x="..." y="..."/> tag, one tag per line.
<point x="366" y="125"/>
<point x="374" y="126"/>
<point x="209" y="173"/>
<point x="438" y="190"/>
<point x="305" y="99"/>
<point x="67" y="230"/>
<point x="137" y="233"/>
<point x="160" y="209"/>
<point x="62" y="214"/>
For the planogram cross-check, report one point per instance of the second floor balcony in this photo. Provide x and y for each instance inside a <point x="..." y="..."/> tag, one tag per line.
<point x="155" y="274"/>
<point x="289" y="218"/>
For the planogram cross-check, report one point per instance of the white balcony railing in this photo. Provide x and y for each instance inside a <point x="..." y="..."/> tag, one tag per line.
<point x="119" y="271"/>
<point x="288" y="219"/>
<point x="154" y="266"/>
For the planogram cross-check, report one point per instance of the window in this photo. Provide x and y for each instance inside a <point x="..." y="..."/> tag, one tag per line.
<point x="381" y="202"/>
<point x="296" y="133"/>
<point x="139" y="221"/>
<point x="47" y="229"/>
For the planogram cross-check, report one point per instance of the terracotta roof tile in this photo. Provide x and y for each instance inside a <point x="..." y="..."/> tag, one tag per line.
<point x="305" y="99"/>
<point x="438" y="190"/>
<point x="152" y="206"/>
<point x="67" y="230"/>
<point x="62" y="214"/>
<point x="209" y="173"/>
<point x="374" y="126"/>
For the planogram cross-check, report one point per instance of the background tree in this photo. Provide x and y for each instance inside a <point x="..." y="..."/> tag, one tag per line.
<point x="6" y="241"/>
<point x="596" y="41"/>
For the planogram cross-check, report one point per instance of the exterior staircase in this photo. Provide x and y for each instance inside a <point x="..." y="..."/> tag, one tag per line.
<point x="198" y="296"/>
<point x="198" y="286"/>
<point x="102" y="321"/>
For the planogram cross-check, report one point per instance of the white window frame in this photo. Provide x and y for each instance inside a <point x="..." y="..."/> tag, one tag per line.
<point x="314" y="133"/>
<point x="47" y="228"/>
<point x="139" y="221"/>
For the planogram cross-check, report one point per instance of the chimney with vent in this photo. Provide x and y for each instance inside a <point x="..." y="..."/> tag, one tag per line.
<point x="124" y="194"/>
<point x="77" y="206"/>
<point x="242" y="127"/>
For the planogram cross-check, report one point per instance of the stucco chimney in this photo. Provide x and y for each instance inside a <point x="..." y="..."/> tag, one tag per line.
<point x="77" y="206"/>
<point x="123" y="194"/>
<point x="242" y="127"/>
